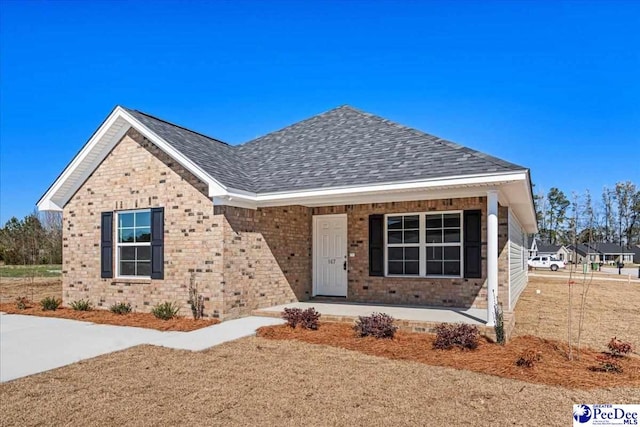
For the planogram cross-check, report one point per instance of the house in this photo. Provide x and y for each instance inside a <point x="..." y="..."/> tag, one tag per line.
<point x="538" y="248"/>
<point x="636" y="253"/>
<point x="344" y="204"/>
<point x="582" y="253"/>
<point x="613" y="253"/>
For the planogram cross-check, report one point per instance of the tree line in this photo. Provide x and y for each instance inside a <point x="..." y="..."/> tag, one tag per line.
<point x="610" y="217"/>
<point x="35" y="239"/>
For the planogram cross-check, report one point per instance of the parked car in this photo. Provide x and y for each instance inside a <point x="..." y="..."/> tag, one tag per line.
<point x="546" y="262"/>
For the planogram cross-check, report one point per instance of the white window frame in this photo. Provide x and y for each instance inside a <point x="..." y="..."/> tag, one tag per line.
<point x="423" y="245"/>
<point x="118" y="244"/>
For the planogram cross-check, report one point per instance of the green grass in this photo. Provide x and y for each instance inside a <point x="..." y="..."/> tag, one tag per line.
<point x="30" y="270"/>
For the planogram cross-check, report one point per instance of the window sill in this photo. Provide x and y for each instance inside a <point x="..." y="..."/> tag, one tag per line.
<point x="132" y="279"/>
<point x="396" y="276"/>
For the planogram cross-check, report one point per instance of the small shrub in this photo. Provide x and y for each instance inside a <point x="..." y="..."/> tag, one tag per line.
<point x="22" y="303"/>
<point x="165" y="310"/>
<point x="50" y="304"/>
<point x="307" y="319"/>
<point x="292" y="316"/>
<point x="607" y="365"/>
<point x="81" y="305"/>
<point x="120" y="308"/>
<point x="499" y="326"/>
<point x="619" y="348"/>
<point x="528" y="358"/>
<point x="378" y="325"/>
<point x="456" y="335"/>
<point x="196" y="301"/>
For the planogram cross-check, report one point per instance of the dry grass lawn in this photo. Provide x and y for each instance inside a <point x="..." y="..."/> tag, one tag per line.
<point x="35" y="290"/>
<point x="255" y="381"/>
<point x="612" y="309"/>
<point x="274" y="383"/>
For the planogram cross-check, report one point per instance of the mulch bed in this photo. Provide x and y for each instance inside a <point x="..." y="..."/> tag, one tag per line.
<point x="554" y="368"/>
<point x="141" y="320"/>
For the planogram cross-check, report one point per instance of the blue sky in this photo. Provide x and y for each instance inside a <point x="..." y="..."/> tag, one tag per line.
<point x="554" y="86"/>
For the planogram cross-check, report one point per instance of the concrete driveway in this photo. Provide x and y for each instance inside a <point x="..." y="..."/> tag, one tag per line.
<point x="31" y="344"/>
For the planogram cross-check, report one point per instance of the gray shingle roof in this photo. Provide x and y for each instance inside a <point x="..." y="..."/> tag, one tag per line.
<point x="341" y="147"/>
<point x="217" y="158"/>
<point x="610" y="248"/>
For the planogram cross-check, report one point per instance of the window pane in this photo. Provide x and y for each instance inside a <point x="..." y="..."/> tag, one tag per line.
<point x="143" y="219"/>
<point x="411" y="222"/>
<point x="143" y="253"/>
<point x="394" y="222"/>
<point x="125" y="220"/>
<point x="128" y="253"/>
<point x="434" y="221"/>
<point x="452" y="253"/>
<point x="127" y="268"/>
<point x="434" y="236"/>
<point x="395" y="237"/>
<point x="452" y="220"/>
<point x="144" y="269"/>
<point x="434" y="253"/>
<point x="412" y="254"/>
<point x="411" y="267"/>
<point x="143" y="234"/>
<point x="434" y="267"/>
<point x="126" y="235"/>
<point x="452" y="236"/>
<point x="412" y="236"/>
<point x="395" y="267"/>
<point x="396" y="254"/>
<point x="452" y="268"/>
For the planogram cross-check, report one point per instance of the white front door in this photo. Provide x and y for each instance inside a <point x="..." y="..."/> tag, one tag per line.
<point x="330" y="255"/>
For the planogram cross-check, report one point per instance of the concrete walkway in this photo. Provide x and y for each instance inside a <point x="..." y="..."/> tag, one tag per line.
<point x="32" y="344"/>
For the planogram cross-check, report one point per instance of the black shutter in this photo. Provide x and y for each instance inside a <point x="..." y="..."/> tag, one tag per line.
<point x="376" y="245"/>
<point x="157" y="243"/>
<point x="106" y="245"/>
<point x="473" y="244"/>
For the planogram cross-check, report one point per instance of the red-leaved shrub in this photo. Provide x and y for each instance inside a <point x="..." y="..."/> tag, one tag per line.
<point x="378" y="325"/>
<point x="307" y="319"/>
<point x="619" y="348"/>
<point x="456" y="335"/>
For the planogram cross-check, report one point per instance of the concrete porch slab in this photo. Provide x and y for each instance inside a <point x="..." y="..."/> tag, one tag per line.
<point x="408" y="318"/>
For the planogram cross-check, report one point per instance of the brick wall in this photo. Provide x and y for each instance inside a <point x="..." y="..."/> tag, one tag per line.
<point x="418" y="291"/>
<point x="137" y="175"/>
<point x="267" y="257"/>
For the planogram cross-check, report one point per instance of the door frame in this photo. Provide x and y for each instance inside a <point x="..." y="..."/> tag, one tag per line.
<point x="314" y="249"/>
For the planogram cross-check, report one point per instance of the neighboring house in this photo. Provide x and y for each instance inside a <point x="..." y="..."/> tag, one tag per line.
<point x="343" y="204"/>
<point x="583" y="254"/>
<point x="613" y="253"/>
<point x="636" y="253"/>
<point x="542" y="249"/>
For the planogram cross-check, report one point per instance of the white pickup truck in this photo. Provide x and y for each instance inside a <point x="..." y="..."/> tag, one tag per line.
<point x="546" y="262"/>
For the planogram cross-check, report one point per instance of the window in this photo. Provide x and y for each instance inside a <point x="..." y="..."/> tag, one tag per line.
<point x="134" y="243"/>
<point x="403" y="239"/>
<point x="424" y="244"/>
<point x="443" y="233"/>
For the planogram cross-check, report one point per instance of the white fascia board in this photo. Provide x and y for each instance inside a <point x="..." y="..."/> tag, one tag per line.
<point x="456" y="181"/>
<point x="422" y="185"/>
<point x="56" y="196"/>
<point x="45" y="201"/>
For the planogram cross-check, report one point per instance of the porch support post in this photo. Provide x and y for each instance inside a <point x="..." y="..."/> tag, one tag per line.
<point x="492" y="255"/>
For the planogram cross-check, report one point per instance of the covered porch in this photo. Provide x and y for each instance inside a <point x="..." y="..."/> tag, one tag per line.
<point x="408" y="318"/>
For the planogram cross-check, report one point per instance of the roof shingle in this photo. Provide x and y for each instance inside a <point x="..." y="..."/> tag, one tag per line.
<point x="341" y="147"/>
